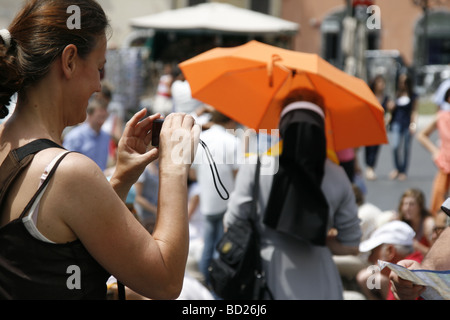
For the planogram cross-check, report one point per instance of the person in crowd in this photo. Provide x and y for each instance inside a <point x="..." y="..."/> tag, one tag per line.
<point x="378" y="86"/>
<point x="348" y="161"/>
<point x="441" y="222"/>
<point x="182" y="96"/>
<point x="114" y="123"/>
<point x="439" y="95"/>
<point x="163" y="99"/>
<point x="412" y="210"/>
<point x="196" y="227"/>
<point x="391" y="242"/>
<point x="295" y="268"/>
<point x="81" y="220"/>
<point x="147" y="195"/>
<point x="403" y="126"/>
<point x="89" y="138"/>
<point x="440" y="154"/>
<point x="202" y="116"/>
<point x="224" y="147"/>
<point x="369" y="216"/>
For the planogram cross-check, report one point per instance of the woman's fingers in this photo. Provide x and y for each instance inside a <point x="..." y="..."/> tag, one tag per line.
<point x="180" y="135"/>
<point x="139" y="127"/>
<point x="179" y="120"/>
<point x="131" y="124"/>
<point x="143" y="128"/>
<point x="404" y="289"/>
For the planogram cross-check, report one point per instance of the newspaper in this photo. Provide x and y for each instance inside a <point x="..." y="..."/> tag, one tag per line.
<point x="437" y="283"/>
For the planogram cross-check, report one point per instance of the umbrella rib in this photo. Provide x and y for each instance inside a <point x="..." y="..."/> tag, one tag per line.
<point x="330" y="119"/>
<point x="273" y="96"/>
<point x="342" y="87"/>
<point x="310" y="81"/>
<point x="245" y="70"/>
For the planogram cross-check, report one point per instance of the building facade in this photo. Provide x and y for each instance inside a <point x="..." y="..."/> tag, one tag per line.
<point x="402" y="28"/>
<point x="402" y="23"/>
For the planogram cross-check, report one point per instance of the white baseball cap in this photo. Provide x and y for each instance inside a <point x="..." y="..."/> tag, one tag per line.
<point x="394" y="232"/>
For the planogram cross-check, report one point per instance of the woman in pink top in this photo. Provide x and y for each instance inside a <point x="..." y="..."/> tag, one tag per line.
<point x="441" y="154"/>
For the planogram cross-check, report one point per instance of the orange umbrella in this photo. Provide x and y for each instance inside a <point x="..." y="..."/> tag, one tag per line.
<point x="248" y="82"/>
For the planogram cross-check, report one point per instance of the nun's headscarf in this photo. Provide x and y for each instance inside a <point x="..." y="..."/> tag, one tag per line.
<point x="297" y="205"/>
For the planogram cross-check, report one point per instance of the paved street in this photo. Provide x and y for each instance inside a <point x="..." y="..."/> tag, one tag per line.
<point x="385" y="193"/>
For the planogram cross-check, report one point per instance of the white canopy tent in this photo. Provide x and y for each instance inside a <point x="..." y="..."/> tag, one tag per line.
<point x="176" y="35"/>
<point x="216" y="17"/>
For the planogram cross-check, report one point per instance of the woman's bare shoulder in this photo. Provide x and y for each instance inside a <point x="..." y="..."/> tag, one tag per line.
<point x="79" y="177"/>
<point x="84" y="197"/>
<point x="77" y="165"/>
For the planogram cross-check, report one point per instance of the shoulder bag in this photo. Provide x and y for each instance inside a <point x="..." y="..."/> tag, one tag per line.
<point x="237" y="273"/>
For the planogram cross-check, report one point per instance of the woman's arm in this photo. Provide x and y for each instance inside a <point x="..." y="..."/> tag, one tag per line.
<point x="150" y="265"/>
<point x="424" y="138"/>
<point x="414" y="117"/>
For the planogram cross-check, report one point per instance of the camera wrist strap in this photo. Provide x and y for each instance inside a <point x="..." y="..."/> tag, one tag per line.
<point x="214" y="172"/>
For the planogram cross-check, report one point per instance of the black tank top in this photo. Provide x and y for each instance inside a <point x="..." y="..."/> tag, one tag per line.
<point x="33" y="269"/>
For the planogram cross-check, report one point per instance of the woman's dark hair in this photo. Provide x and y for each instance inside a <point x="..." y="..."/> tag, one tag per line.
<point x="408" y="85"/>
<point x="419" y="196"/>
<point x="375" y="80"/>
<point x="447" y="95"/>
<point x="219" y="118"/>
<point x="40" y="33"/>
<point x="302" y="94"/>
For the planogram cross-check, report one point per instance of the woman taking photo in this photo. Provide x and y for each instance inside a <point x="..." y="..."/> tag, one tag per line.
<point x="79" y="221"/>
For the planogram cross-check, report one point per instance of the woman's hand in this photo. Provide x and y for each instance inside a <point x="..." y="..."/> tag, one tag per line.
<point x="178" y="143"/>
<point x="133" y="154"/>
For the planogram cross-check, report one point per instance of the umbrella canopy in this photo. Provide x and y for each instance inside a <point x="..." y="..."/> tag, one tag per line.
<point x="216" y="17"/>
<point x="248" y="83"/>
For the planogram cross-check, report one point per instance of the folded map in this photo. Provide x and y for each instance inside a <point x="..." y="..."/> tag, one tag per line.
<point x="437" y="283"/>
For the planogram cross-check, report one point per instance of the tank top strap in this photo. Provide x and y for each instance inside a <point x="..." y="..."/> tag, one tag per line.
<point x="34" y="147"/>
<point x="18" y="159"/>
<point x="35" y="206"/>
<point x="47" y="177"/>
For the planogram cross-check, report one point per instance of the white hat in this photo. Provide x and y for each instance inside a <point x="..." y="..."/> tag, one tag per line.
<point x="394" y="232"/>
